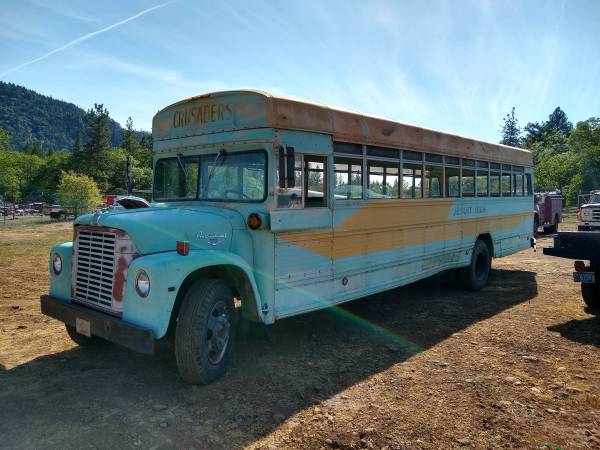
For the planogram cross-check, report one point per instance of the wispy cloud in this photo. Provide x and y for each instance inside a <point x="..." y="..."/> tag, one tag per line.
<point x="85" y="37"/>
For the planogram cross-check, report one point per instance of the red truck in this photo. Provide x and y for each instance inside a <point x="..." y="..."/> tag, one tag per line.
<point x="547" y="211"/>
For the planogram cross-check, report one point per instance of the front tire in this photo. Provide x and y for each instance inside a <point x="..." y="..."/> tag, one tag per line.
<point x="93" y="342"/>
<point x="591" y="295"/>
<point x="476" y="274"/>
<point x="205" y="331"/>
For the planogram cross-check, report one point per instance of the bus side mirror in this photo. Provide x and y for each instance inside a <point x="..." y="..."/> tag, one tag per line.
<point x="287" y="162"/>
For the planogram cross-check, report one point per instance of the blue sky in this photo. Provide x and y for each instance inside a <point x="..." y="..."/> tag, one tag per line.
<point x="457" y="66"/>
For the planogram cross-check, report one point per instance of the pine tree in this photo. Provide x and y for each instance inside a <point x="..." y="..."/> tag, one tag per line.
<point x="130" y="142"/>
<point x="96" y="161"/>
<point x="4" y="139"/>
<point x="558" y="121"/>
<point x="510" y="130"/>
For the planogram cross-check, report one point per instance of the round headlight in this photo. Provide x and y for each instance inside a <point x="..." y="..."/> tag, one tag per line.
<point x="57" y="263"/>
<point x="142" y="284"/>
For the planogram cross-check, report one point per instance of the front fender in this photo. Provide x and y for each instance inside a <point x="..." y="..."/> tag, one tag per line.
<point x="167" y="271"/>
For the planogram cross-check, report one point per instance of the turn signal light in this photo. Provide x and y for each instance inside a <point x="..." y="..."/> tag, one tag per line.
<point x="579" y="266"/>
<point x="254" y="221"/>
<point x="183" y="248"/>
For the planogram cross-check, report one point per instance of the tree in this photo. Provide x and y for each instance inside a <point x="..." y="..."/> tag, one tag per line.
<point x="559" y="122"/>
<point x="510" y="130"/>
<point x="95" y="160"/>
<point x="78" y="192"/>
<point x="78" y="143"/>
<point x="4" y="139"/>
<point x="130" y="142"/>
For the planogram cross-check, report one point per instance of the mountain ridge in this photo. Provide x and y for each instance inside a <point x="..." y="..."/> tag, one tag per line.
<point x="32" y="118"/>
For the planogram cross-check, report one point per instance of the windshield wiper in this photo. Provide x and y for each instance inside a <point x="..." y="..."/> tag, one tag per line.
<point x="222" y="154"/>
<point x="182" y="168"/>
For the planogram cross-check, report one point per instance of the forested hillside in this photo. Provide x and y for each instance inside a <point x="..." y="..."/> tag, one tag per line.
<point x="38" y="121"/>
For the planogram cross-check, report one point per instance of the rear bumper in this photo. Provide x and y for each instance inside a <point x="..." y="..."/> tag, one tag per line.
<point x="576" y="245"/>
<point x="102" y="325"/>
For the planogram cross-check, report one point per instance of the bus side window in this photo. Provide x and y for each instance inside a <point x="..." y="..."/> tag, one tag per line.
<point x="291" y="197"/>
<point x="348" y="178"/>
<point x="482" y="178"/>
<point x="433" y="185"/>
<point x="315" y="184"/>
<point x="494" y="179"/>
<point x="452" y="181"/>
<point x="383" y="179"/>
<point x="467" y="180"/>
<point x="506" y="178"/>
<point x="529" y="186"/>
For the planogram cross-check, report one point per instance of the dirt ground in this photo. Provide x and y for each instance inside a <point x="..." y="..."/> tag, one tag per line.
<point x="516" y="365"/>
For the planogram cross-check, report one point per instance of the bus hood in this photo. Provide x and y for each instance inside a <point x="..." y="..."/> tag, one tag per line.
<point x="157" y="229"/>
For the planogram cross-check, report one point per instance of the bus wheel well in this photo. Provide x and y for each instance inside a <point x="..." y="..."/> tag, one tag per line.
<point x="487" y="239"/>
<point x="235" y="279"/>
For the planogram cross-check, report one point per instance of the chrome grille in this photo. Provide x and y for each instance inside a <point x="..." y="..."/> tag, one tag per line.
<point x="94" y="268"/>
<point x="596" y="214"/>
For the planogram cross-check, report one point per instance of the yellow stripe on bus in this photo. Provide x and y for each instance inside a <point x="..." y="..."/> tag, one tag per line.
<point x="370" y="231"/>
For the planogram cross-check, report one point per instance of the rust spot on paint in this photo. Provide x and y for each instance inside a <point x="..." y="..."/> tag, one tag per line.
<point x="387" y="130"/>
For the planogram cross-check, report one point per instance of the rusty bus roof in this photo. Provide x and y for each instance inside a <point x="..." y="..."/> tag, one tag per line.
<point x="264" y="109"/>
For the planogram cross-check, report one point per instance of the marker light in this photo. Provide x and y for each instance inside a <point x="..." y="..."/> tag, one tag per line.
<point x="254" y="221"/>
<point x="183" y="248"/>
<point x="57" y="264"/>
<point x="579" y="266"/>
<point x="142" y="284"/>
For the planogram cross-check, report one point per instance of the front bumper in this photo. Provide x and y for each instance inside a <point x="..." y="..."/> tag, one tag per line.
<point x="102" y="325"/>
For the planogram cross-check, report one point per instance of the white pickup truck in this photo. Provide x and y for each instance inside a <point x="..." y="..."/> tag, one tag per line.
<point x="589" y="213"/>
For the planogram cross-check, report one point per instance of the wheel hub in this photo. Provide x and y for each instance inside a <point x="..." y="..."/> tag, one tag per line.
<point x="217" y="336"/>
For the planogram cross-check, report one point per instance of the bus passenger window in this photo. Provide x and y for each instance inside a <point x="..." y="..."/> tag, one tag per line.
<point x="383" y="180"/>
<point x="412" y="176"/>
<point x="495" y="184"/>
<point x="482" y="184"/>
<point x="467" y="182"/>
<point x="506" y="189"/>
<point x="291" y="197"/>
<point x="433" y="185"/>
<point x="452" y="181"/>
<point x="529" y="187"/>
<point x="348" y="178"/>
<point x="315" y="187"/>
<point x="518" y="184"/>
<point x="482" y="178"/>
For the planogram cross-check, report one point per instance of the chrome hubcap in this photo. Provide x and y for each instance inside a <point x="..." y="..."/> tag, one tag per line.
<point x="217" y="333"/>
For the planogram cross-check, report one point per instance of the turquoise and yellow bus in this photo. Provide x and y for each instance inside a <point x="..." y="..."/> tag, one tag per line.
<point x="289" y="207"/>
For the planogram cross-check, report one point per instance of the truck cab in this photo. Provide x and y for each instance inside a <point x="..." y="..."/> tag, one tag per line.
<point x="589" y="213"/>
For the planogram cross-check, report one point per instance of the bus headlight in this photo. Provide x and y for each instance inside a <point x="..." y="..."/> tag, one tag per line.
<point x="142" y="284"/>
<point x="57" y="263"/>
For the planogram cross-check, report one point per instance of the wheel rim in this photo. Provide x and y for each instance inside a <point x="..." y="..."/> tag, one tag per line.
<point x="217" y="333"/>
<point x="481" y="266"/>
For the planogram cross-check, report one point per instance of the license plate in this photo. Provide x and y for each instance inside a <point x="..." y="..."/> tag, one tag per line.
<point x="584" y="277"/>
<point x="83" y="326"/>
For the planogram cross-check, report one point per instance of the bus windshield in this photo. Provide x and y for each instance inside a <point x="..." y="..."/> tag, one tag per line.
<point x="224" y="176"/>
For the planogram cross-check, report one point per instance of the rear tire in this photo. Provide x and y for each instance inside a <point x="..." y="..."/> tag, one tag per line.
<point x="93" y="342"/>
<point x="205" y="332"/>
<point x="552" y="228"/>
<point x="591" y="295"/>
<point x="476" y="274"/>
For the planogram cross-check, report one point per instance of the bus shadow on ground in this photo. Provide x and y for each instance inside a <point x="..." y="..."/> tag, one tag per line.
<point x="116" y="398"/>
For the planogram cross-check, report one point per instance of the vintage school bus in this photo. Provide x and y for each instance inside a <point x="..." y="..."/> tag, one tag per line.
<point x="288" y="207"/>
